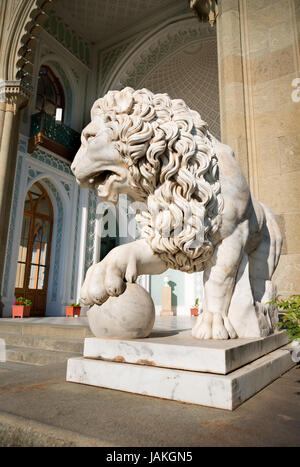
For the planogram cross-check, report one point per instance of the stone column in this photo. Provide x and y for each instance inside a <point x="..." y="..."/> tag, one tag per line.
<point x="259" y="68"/>
<point x="270" y="32"/>
<point x="231" y="81"/>
<point x="12" y="99"/>
<point x="2" y="117"/>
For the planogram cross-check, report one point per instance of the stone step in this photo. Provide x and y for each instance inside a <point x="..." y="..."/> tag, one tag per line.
<point x="24" y="327"/>
<point x="13" y="366"/>
<point x="43" y="342"/>
<point x="34" y="356"/>
<point x="18" y="431"/>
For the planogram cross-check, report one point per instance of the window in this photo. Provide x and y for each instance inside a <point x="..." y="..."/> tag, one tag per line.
<point x="50" y="94"/>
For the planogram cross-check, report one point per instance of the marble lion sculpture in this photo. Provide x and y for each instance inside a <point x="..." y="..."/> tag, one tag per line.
<point x="159" y="152"/>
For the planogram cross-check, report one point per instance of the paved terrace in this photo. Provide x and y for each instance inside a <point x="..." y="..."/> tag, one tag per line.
<point x="39" y="408"/>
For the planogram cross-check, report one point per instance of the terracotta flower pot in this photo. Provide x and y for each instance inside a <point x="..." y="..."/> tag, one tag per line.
<point x="73" y="311"/>
<point x="20" y="311"/>
<point x="194" y="311"/>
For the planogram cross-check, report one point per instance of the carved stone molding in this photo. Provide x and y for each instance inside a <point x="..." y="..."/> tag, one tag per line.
<point x="13" y="95"/>
<point x="22" y="30"/>
<point x="38" y="16"/>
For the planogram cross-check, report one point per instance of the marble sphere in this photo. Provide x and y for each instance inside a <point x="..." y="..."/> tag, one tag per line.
<point x="129" y="316"/>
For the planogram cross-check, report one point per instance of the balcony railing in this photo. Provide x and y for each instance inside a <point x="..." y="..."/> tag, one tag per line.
<point x="57" y="137"/>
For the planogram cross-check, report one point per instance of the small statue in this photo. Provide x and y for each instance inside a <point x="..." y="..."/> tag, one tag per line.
<point x="199" y="214"/>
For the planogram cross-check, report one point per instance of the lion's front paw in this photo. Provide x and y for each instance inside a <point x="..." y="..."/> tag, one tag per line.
<point x="213" y="326"/>
<point x="101" y="283"/>
<point x="107" y="279"/>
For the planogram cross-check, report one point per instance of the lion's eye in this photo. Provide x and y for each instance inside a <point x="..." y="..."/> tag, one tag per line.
<point x="90" y="137"/>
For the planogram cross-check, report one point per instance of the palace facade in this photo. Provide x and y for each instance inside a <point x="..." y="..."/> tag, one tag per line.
<point x="239" y="67"/>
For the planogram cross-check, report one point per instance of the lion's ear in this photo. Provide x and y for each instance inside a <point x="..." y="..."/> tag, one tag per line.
<point x="125" y="101"/>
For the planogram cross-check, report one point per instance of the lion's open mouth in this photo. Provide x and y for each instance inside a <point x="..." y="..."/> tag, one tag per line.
<point x="101" y="178"/>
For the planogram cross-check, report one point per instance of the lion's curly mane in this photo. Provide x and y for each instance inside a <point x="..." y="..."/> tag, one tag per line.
<point x="171" y="158"/>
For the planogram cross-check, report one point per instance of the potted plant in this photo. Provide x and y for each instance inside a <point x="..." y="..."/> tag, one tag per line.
<point x="195" y="309"/>
<point x="73" y="310"/>
<point x="21" y="308"/>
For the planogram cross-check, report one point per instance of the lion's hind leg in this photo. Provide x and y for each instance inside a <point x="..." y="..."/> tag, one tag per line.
<point x="264" y="259"/>
<point x="248" y="312"/>
<point x="262" y="264"/>
<point x="219" y="283"/>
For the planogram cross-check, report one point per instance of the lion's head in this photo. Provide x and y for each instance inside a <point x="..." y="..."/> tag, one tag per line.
<point x="156" y="149"/>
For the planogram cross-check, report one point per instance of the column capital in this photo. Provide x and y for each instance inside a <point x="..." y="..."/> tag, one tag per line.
<point x="14" y="95"/>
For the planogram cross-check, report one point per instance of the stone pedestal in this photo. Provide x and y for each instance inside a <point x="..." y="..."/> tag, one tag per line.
<point x="166" y="301"/>
<point x="172" y="365"/>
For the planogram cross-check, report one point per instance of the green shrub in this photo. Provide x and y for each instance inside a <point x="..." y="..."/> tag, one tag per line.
<point x="290" y="310"/>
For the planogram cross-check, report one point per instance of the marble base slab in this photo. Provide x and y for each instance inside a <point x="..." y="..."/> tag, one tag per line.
<point x="212" y="390"/>
<point x="179" y="350"/>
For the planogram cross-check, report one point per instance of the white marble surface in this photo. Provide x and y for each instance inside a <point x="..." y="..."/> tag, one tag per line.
<point x="177" y="349"/>
<point x="220" y="391"/>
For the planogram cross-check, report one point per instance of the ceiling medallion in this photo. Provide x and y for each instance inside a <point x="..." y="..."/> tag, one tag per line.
<point x="206" y="10"/>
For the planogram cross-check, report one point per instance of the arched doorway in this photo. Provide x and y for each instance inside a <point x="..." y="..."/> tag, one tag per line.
<point x="35" y="249"/>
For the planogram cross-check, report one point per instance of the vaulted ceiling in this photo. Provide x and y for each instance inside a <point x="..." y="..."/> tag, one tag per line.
<point x="102" y="21"/>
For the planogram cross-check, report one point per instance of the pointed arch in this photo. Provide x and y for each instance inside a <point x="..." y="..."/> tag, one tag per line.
<point x="34" y="256"/>
<point x="60" y="240"/>
<point x="61" y="234"/>
<point x="143" y="55"/>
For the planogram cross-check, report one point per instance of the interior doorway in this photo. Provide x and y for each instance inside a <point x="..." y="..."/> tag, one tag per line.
<point x="35" y="249"/>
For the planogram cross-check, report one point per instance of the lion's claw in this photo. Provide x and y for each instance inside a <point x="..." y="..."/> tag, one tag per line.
<point x="213" y="326"/>
<point x="105" y="279"/>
